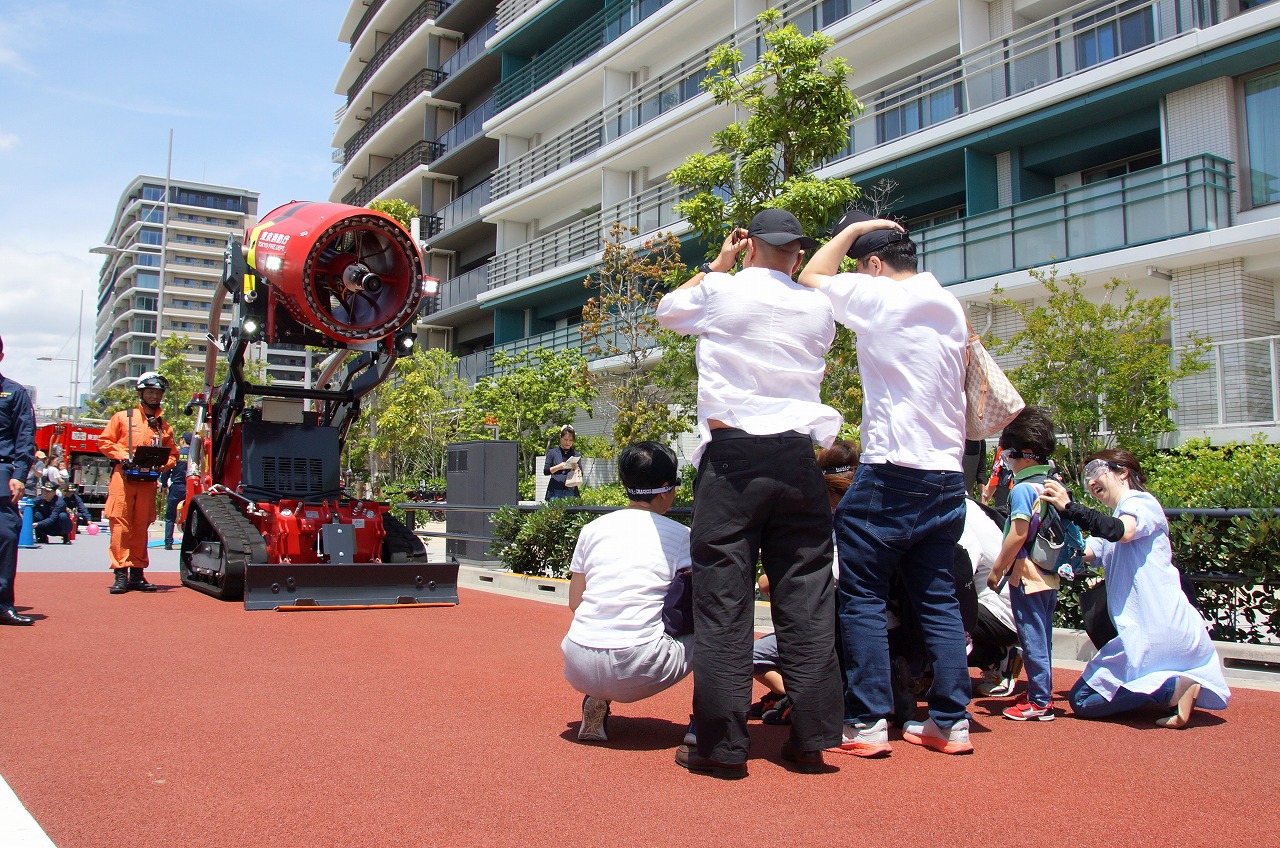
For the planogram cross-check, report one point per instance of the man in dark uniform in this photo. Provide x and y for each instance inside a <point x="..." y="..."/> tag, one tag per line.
<point x="174" y="482"/>
<point x="49" y="517"/>
<point x="75" y="504"/>
<point x="17" y="447"/>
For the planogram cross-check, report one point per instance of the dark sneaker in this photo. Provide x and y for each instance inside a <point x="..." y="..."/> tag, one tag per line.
<point x="766" y="702"/>
<point x="689" y="758"/>
<point x="595" y="719"/>
<point x="779" y="713"/>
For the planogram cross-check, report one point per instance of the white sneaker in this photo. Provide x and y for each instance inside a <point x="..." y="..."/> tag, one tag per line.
<point x="595" y="716"/>
<point x="953" y="740"/>
<point x="865" y="740"/>
<point x="1000" y="681"/>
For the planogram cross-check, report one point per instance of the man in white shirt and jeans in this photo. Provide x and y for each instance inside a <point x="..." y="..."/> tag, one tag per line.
<point x="905" y="511"/>
<point x="759" y="496"/>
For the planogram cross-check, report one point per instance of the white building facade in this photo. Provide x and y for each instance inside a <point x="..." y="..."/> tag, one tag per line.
<point x="1137" y="139"/>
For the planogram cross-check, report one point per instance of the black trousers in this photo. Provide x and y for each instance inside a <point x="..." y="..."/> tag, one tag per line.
<point x="991" y="638"/>
<point x="762" y="499"/>
<point x="10" y="527"/>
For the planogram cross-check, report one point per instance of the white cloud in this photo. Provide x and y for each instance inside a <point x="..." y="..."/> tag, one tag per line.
<point x="8" y="141"/>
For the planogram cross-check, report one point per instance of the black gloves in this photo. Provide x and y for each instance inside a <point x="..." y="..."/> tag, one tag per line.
<point x="1094" y="522"/>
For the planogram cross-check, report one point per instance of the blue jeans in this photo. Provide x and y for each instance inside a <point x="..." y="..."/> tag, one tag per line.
<point x="1033" y="615"/>
<point x="904" y="520"/>
<point x="1088" y="703"/>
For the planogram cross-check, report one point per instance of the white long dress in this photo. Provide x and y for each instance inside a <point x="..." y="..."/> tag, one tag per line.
<point x="1160" y="634"/>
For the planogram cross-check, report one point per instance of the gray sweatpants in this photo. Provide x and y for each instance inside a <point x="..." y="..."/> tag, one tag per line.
<point x="628" y="674"/>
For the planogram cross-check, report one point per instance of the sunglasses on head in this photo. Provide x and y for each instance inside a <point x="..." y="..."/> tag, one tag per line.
<point x="1020" y="453"/>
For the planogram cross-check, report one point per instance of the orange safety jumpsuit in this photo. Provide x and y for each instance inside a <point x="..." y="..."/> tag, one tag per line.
<point x="131" y="504"/>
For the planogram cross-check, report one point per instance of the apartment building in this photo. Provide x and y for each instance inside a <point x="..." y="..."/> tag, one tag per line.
<point x="190" y="243"/>
<point x="1137" y="139"/>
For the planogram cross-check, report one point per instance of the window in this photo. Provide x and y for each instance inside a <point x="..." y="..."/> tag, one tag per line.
<point x="1262" y="133"/>
<point x="918" y="105"/>
<point x="1103" y="36"/>
<point x="1120" y="168"/>
<point x="149" y="236"/>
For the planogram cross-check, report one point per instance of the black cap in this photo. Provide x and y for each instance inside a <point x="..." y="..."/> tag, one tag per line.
<point x="869" y="243"/>
<point x="779" y="227"/>
<point x="187" y="437"/>
<point x="49" y="487"/>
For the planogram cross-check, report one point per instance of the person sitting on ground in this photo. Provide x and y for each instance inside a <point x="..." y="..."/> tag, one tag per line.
<point x="1033" y="591"/>
<point x="75" y="504"/>
<point x="837" y="464"/>
<point x="49" y="516"/>
<point x="1161" y="655"/>
<point x="623" y="565"/>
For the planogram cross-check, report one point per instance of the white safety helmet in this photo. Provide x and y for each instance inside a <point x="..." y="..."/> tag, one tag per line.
<point x="152" y="380"/>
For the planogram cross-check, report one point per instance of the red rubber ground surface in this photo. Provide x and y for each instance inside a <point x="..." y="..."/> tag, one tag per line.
<point x="176" y="720"/>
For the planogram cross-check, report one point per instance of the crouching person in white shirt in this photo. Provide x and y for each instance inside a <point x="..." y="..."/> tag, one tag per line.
<point x="617" y="648"/>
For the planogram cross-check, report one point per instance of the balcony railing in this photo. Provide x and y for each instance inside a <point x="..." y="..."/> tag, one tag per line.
<point x="473" y="366"/>
<point x="422" y="82"/>
<point x="1239" y="389"/>
<point x="464" y="288"/>
<point x="509" y="10"/>
<point x="369" y="12"/>
<point x="420" y="154"/>
<point x="584" y="41"/>
<point x="464" y="208"/>
<point x="649" y="211"/>
<point x="470" y="50"/>
<point x="655" y="98"/>
<point x="1167" y="201"/>
<point x="1082" y="37"/>
<point x="429" y="10"/>
<point x="468" y="128"/>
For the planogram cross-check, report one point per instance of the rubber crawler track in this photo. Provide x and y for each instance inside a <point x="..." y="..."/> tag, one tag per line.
<point x="215" y="518"/>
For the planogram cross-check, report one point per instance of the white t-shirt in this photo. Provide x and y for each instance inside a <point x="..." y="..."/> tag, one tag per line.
<point x="629" y="559"/>
<point x="982" y="539"/>
<point x="761" y="341"/>
<point x="911" y="355"/>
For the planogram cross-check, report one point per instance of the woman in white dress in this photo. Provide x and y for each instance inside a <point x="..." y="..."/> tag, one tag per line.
<point x="1162" y="655"/>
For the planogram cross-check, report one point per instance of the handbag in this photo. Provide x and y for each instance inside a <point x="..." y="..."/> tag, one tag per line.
<point x="677" y="606"/>
<point x="1097" y="618"/>
<point x="991" y="401"/>
<point x="574" y="478"/>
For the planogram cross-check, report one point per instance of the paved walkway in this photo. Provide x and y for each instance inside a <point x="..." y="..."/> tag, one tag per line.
<point x="171" y="719"/>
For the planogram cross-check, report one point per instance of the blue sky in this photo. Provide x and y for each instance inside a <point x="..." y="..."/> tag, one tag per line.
<point x="87" y="99"/>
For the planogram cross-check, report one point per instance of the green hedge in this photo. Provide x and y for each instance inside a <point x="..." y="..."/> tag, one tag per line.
<point x="541" y="541"/>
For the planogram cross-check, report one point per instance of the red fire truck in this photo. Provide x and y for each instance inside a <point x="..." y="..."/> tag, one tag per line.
<point x="77" y="442"/>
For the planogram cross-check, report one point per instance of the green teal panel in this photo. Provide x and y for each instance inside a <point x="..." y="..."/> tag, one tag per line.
<point x="981" y="192"/>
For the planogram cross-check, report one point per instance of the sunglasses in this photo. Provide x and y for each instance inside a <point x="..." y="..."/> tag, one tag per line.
<point x="1019" y="453"/>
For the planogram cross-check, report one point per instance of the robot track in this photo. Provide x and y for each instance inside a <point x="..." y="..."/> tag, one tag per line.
<point x="218" y="543"/>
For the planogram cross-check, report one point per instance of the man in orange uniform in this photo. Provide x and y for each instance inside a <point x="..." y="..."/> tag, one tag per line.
<point x="131" y="494"/>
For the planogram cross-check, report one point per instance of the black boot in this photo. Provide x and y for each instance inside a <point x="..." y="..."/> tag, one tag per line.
<point x="138" y="582"/>
<point x="122" y="582"/>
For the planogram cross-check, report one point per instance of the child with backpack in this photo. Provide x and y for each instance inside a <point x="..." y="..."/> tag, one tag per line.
<point x="1027" y="443"/>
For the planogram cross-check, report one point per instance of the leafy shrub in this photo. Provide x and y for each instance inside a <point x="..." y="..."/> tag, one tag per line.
<point x="540" y="541"/>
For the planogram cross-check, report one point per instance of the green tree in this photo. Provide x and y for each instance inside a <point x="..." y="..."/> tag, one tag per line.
<point x="529" y="397"/>
<point x="184" y="381"/>
<point x="401" y="210"/>
<point x="799" y="109"/>
<point x="618" y="322"/>
<point x="417" y="414"/>
<point x="1098" y="363"/>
